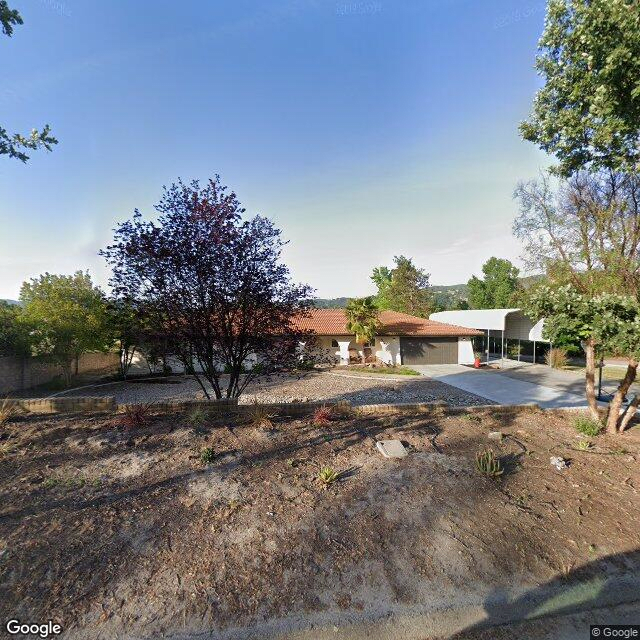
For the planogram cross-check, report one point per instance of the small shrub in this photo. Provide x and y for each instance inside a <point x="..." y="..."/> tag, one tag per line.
<point x="488" y="465"/>
<point x="587" y="426"/>
<point x="584" y="445"/>
<point x="9" y="409"/>
<point x="6" y="448"/>
<point x="261" y="417"/>
<point x="328" y="476"/>
<point x="136" y="416"/>
<point x="557" y="358"/>
<point x="322" y="416"/>
<point x="514" y="350"/>
<point x="197" y="417"/>
<point x="207" y="455"/>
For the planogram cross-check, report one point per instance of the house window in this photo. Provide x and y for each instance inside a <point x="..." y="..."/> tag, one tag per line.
<point x="334" y="343"/>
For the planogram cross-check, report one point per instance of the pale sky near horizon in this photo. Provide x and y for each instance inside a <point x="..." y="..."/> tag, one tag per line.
<point x="363" y="129"/>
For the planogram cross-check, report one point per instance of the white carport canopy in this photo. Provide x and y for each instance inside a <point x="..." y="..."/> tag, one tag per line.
<point x="515" y="324"/>
<point x="512" y="324"/>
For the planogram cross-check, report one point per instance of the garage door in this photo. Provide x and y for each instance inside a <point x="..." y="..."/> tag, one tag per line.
<point x="429" y="350"/>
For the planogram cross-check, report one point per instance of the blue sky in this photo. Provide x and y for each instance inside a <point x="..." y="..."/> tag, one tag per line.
<point x="364" y="129"/>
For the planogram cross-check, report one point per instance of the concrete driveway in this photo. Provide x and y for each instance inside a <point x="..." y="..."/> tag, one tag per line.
<point x="515" y="385"/>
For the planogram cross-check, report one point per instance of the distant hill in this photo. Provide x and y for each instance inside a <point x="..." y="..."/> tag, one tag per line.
<point x="446" y="294"/>
<point x="330" y="303"/>
<point x="9" y="301"/>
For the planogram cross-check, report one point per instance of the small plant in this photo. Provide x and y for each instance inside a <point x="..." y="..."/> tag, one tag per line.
<point x="514" y="350"/>
<point x="6" y="448"/>
<point x="261" y="417"/>
<point x="584" y="445"/>
<point x="65" y="482"/>
<point x="328" y="476"/>
<point x="9" y="409"/>
<point x="197" y="417"/>
<point x="488" y="465"/>
<point x="322" y="416"/>
<point x="207" y="455"/>
<point x="587" y="426"/>
<point x="557" y="358"/>
<point x="136" y="416"/>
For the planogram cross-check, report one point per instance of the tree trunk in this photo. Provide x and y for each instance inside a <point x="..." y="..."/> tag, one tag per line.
<point x="123" y="362"/>
<point x="629" y="413"/>
<point x="613" y="416"/>
<point x="363" y="356"/>
<point x="590" y="379"/>
<point x="66" y="374"/>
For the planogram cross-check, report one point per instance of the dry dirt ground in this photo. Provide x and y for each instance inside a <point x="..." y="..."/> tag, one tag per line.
<point x="126" y="533"/>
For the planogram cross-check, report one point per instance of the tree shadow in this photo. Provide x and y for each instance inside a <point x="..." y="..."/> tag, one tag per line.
<point x="608" y="581"/>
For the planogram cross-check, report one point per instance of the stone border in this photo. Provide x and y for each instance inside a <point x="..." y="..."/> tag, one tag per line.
<point x="84" y="404"/>
<point x="101" y="404"/>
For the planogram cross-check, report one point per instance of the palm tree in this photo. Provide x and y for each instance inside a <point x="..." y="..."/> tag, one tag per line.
<point x="362" y="320"/>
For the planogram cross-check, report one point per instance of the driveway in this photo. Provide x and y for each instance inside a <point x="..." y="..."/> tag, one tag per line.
<point x="515" y="385"/>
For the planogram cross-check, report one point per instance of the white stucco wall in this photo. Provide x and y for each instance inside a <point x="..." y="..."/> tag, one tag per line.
<point x="465" y="351"/>
<point x="387" y="348"/>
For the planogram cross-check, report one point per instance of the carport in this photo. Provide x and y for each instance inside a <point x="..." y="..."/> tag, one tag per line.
<point x="501" y="325"/>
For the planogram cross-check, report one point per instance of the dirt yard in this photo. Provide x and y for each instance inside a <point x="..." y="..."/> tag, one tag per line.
<point x="116" y="532"/>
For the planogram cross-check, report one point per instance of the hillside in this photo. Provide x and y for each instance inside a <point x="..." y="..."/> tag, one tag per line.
<point x="444" y="294"/>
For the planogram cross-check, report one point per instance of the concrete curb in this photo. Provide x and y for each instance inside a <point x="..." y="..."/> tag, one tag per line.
<point x="381" y="376"/>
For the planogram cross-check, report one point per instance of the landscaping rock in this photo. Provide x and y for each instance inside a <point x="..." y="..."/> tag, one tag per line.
<point x="310" y="387"/>
<point x="391" y="448"/>
<point x="558" y="462"/>
<point x="495" y="435"/>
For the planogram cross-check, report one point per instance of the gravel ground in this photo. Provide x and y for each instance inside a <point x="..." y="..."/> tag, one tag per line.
<point x="307" y="387"/>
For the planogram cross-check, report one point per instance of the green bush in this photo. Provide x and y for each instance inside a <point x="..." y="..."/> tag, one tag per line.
<point x="207" y="455"/>
<point x="488" y="465"/>
<point x="328" y="476"/>
<point x="197" y="417"/>
<point x="588" y="426"/>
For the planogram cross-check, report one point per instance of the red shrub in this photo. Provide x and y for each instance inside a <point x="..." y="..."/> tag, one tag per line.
<point x="322" y="416"/>
<point x="136" y="416"/>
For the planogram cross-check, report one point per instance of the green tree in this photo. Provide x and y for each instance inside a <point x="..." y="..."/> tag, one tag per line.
<point x="606" y="323"/>
<point x="14" y="144"/>
<point x="583" y="231"/>
<point x="587" y="113"/>
<point x="14" y="337"/>
<point x="362" y="320"/>
<point x="382" y="277"/>
<point x="498" y="287"/>
<point x="404" y="288"/>
<point x="66" y="317"/>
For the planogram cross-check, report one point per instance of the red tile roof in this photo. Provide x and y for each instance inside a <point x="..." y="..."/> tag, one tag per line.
<point x="333" y="322"/>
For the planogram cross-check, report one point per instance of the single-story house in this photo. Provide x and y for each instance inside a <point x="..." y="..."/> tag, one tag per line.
<point x="401" y="339"/>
